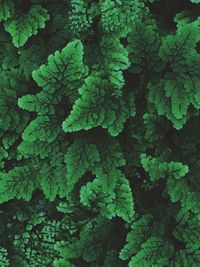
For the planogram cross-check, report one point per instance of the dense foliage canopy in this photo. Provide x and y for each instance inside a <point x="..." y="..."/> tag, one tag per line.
<point x="99" y="127"/>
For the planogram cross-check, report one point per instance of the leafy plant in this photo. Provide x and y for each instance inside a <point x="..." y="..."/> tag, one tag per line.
<point x="99" y="149"/>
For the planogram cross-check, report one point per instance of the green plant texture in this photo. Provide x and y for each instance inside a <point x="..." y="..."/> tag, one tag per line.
<point x="99" y="133"/>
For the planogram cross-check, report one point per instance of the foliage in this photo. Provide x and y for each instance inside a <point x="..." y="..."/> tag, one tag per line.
<point x="99" y="147"/>
<point x="23" y="27"/>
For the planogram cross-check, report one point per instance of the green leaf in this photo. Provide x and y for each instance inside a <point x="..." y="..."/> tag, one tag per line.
<point x="82" y="15"/>
<point x="53" y="180"/>
<point x="91" y="244"/>
<point x="117" y="16"/>
<point x="112" y="58"/>
<point x="11" y="117"/>
<point x="43" y="149"/>
<point x="97" y="107"/>
<point x="36" y="246"/>
<point x="177" y="189"/>
<point x="20" y="182"/>
<point x="144" y="42"/>
<point x="110" y="203"/>
<point x="123" y="204"/>
<point x="188" y="233"/>
<point x="195" y="1"/>
<point x="80" y="157"/>
<point x="64" y="71"/>
<point x="4" y="261"/>
<point x="178" y="89"/>
<point x="42" y="103"/>
<point x="43" y="128"/>
<point x="111" y="159"/>
<point x="22" y="27"/>
<point x="185" y="258"/>
<point x="94" y="197"/>
<point x="155" y="252"/>
<point x="6" y="9"/>
<point x="158" y="169"/>
<point x="136" y="237"/>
